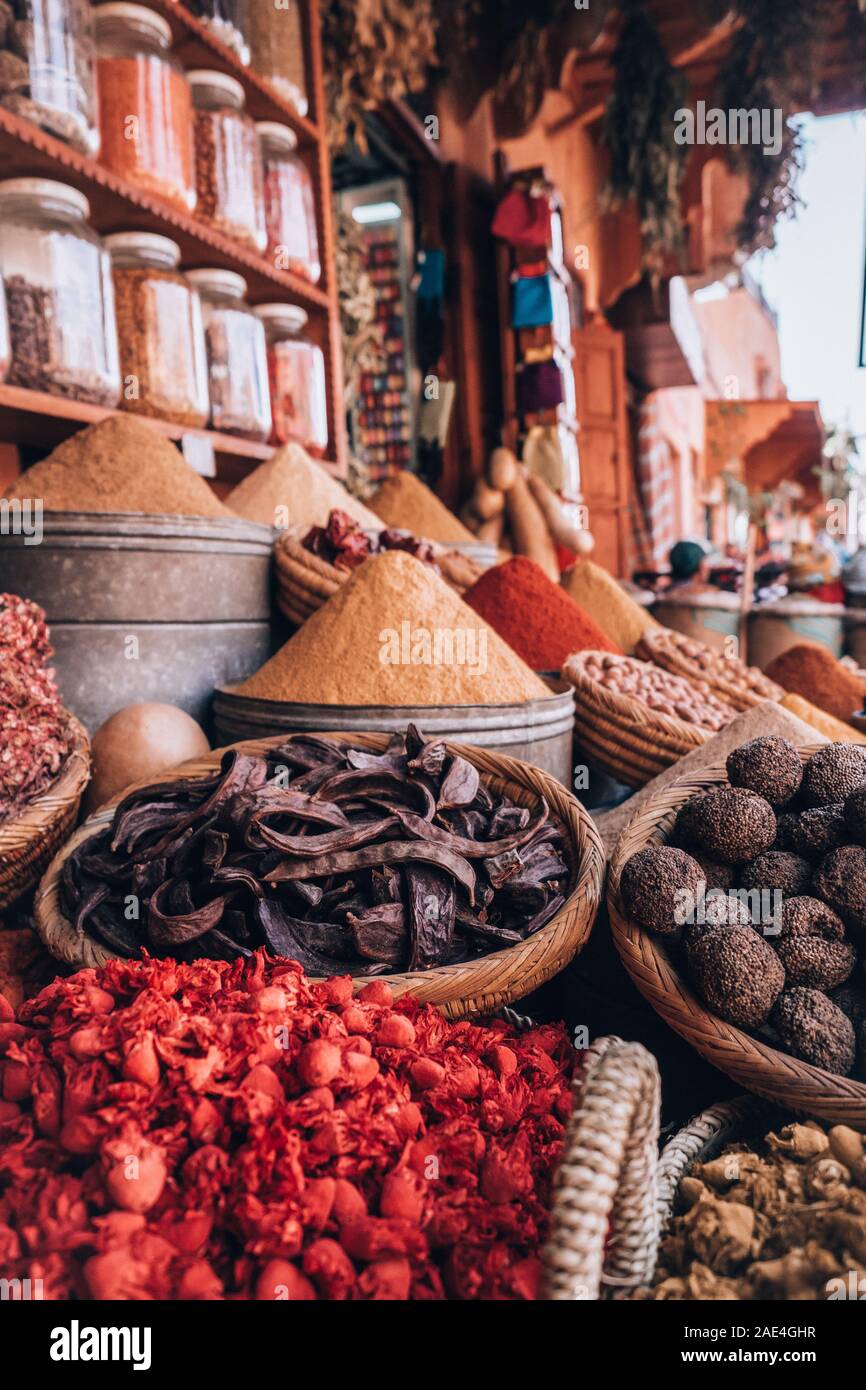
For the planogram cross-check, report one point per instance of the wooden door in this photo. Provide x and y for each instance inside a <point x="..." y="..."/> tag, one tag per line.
<point x="599" y="375"/>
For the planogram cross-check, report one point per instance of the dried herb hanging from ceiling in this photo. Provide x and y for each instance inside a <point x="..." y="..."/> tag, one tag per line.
<point x="646" y="163"/>
<point x="769" y="70"/>
<point x="374" y="51"/>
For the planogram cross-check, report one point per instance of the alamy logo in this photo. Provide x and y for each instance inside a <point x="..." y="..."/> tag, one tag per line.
<point x="713" y="126"/>
<point x="22" y="516"/>
<point x="21" y="1291"/>
<point x="77" y="1343"/>
<point x="438" y="646"/>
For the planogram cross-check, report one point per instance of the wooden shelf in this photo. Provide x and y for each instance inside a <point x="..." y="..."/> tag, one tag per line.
<point x="42" y="420"/>
<point x="198" y="47"/>
<point x="117" y="205"/>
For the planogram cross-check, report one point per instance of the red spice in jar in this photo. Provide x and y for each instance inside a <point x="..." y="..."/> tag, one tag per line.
<point x="283" y="1144"/>
<point x="534" y="616"/>
<point x="156" y="154"/>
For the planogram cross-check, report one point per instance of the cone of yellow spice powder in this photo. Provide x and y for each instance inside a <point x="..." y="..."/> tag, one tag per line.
<point x="395" y="634"/>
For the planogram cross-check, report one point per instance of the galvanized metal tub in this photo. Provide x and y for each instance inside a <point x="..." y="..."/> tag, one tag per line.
<point x="538" y="731"/>
<point x="146" y="607"/>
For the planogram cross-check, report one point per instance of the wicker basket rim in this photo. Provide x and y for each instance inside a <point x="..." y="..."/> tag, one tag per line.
<point x="67" y="786"/>
<point x="669" y="639"/>
<point x="583" y="846"/>
<point x="670" y="984"/>
<point x="627" y="707"/>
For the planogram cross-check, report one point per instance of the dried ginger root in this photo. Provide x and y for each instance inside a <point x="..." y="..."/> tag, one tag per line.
<point x="777" y="1221"/>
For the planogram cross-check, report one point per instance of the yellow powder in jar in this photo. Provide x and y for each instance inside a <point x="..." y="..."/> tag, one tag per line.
<point x="292" y="490"/>
<point x="826" y="724"/>
<point x="407" y="504"/>
<point x="599" y="595"/>
<point x="395" y="634"/>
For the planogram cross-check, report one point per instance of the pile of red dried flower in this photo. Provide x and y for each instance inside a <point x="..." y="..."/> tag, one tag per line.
<point x="343" y="543"/>
<point x="34" y="739"/>
<point x="215" y="1130"/>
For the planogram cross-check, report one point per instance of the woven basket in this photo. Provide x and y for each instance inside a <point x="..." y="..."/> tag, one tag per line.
<point x="604" y="1224"/>
<point x="304" y="581"/>
<point x="752" y="1061"/>
<point x="667" y="648"/>
<point x="474" y="987"/>
<point x="28" y="842"/>
<point x="624" y="737"/>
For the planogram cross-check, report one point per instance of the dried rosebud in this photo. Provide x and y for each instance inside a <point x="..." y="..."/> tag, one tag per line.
<point x="282" y="1281"/>
<point x="349" y="1203"/>
<point x="358" y="1070"/>
<point x="426" y="1074"/>
<point x="386" y="1280"/>
<point x="402" y="1196"/>
<point x="328" y="1265"/>
<point x="141" y="1063"/>
<point x="502" y="1059"/>
<point x="319" y="1062"/>
<point x="395" y="1030"/>
<point x="377" y="992"/>
<point x="199" y="1281"/>
<point x="317" y="1201"/>
<point x="135" y="1181"/>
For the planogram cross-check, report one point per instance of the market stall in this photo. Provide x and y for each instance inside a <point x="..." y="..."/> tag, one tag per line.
<point x="432" y="813"/>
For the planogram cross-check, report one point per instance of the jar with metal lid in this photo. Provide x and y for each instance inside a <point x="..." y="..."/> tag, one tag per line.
<point x="276" y="34"/>
<point x="296" y="370"/>
<point x="227" y="21"/>
<point x="290" y="207"/>
<point x="228" y="159"/>
<point x="236" y="355"/>
<point x="145" y="103"/>
<point x="159" y="325"/>
<point x="59" y="294"/>
<point x="47" y="67"/>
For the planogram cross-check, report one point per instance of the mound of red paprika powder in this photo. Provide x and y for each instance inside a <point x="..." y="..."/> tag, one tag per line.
<point x="534" y="616"/>
<point x="212" y="1130"/>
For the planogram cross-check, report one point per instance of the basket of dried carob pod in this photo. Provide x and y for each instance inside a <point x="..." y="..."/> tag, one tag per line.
<point x="462" y="876"/>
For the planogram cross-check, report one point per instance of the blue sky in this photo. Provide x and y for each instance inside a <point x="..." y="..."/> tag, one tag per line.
<point x="814" y="277"/>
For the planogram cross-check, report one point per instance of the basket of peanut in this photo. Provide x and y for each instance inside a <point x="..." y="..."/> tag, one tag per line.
<point x="634" y="719"/>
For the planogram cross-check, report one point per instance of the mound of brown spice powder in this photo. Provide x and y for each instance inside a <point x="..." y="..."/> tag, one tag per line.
<point x="291" y="489"/>
<point x="377" y="640"/>
<point x="812" y="672"/>
<point x="403" y="501"/>
<point x="118" y="465"/>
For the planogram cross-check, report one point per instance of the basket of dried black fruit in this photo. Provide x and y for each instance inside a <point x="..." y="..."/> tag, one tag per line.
<point x="737" y="900"/>
<point x="462" y="876"/>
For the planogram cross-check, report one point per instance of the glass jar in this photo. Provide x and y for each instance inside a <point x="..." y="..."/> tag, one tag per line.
<point x="290" y="207"/>
<point x="159" y="325"/>
<point x="236" y="355"/>
<point x="228" y="159"/>
<point x="59" y="295"/>
<point x="296" y="371"/>
<point x="145" y="104"/>
<point x="47" y="67"/>
<point x="276" y="34"/>
<point x="227" y="21"/>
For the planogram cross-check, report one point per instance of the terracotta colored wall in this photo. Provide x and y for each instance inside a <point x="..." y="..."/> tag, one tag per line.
<point x="740" y="339"/>
<point x="573" y="163"/>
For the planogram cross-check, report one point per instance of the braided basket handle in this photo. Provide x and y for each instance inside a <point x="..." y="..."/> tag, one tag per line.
<point x="604" y="1220"/>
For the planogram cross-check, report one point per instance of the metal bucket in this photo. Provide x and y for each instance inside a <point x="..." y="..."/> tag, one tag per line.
<point x="774" y="627"/>
<point x="538" y="731"/>
<point x="146" y="607"/>
<point x="713" y="622"/>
